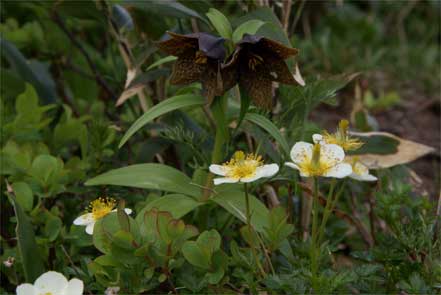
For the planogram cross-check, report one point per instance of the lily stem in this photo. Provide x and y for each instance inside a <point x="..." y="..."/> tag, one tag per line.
<point x="250" y="230"/>
<point x="315" y="248"/>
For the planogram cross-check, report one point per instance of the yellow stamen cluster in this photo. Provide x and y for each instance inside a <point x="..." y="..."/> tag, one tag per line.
<point x="101" y="207"/>
<point x="200" y="57"/>
<point x="316" y="166"/>
<point x="342" y="138"/>
<point x="254" y="60"/>
<point x="242" y="166"/>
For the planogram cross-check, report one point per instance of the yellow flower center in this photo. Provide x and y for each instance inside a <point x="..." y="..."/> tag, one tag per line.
<point x="101" y="207"/>
<point x="47" y="293"/>
<point x="254" y="60"/>
<point x="200" y="57"/>
<point x="242" y="166"/>
<point x="316" y="165"/>
<point x="342" y="138"/>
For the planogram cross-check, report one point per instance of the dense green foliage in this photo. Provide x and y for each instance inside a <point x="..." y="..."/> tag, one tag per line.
<point x="87" y="110"/>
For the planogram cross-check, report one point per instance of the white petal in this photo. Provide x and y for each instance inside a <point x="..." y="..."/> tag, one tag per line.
<point x="26" y="289"/>
<point x="221" y="180"/>
<point x="301" y="151"/>
<point x="331" y="154"/>
<point x="364" y="177"/>
<point x="268" y="170"/>
<point x="317" y="138"/>
<point x="89" y="228"/>
<point x="75" y="287"/>
<point x="339" y="171"/>
<point x="51" y="282"/>
<point x="262" y="171"/>
<point x="218" y="169"/>
<point x="84" y="219"/>
<point x="292" y="165"/>
<point x="127" y="210"/>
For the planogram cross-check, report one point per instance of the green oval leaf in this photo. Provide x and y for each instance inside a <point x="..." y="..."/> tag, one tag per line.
<point x="177" y="204"/>
<point x="220" y="23"/>
<point x="269" y="127"/>
<point x="150" y="176"/>
<point x="168" y="105"/>
<point x="234" y="202"/>
<point x="249" y="27"/>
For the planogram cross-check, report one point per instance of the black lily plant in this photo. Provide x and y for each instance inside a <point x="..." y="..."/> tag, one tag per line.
<point x="257" y="62"/>
<point x="200" y="56"/>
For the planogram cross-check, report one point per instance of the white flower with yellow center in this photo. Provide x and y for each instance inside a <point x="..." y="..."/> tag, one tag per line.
<point x="52" y="283"/>
<point x="360" y="171"/>
<point x="243" y="168"/>
<point x="340" y="137"/>
<point x="97" y="210"/>
<point x="319" y="160"/>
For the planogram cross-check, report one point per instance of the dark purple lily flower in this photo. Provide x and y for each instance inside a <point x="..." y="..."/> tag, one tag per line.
<point x="258" y="61"/>
<point x="200" y="56"/>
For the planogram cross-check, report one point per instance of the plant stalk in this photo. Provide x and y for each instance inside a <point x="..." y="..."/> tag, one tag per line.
<point x="250" y="230"/>
<point x="314" y="245"/>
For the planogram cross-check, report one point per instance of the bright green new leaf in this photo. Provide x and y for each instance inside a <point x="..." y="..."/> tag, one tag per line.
<point x="220" y="23"/>
<point x="269" y="127"/>
<point x="168" y="105"/>
<point x="249" y="27"/>
<point x="23" y="192"/>
<point x="149" y="176"/>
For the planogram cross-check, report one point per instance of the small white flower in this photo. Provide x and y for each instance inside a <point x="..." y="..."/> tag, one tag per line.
<point x="52" y="283"/>
<point x="97" y="210"/>
<point x="319" y="160"/>
<point x="360" y="171"/>
<point x="243" y="168"/>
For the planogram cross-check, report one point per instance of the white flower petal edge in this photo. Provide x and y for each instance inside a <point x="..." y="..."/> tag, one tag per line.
<point x="317" y="138"/>
<point x="75" y="287"/>
<point x="301" y="151"/>
<point x="222" y="180"/>
<point x="51" y="282"/>
<point x="26" y="289"/>
<point x="292" y="165"/>
<point x="89" y="228"/>
<point x="366" y="177"/>
<point x="84" y="219"/>
<point x="339" y="171"/>
<point x="217" y="169"/>
<point x="262" y="171"/>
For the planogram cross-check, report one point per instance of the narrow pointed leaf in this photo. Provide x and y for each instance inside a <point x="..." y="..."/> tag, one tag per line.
<point x="269" y="127"/>
<point x="149" y="176"/>
<point x="166" y="106"/>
